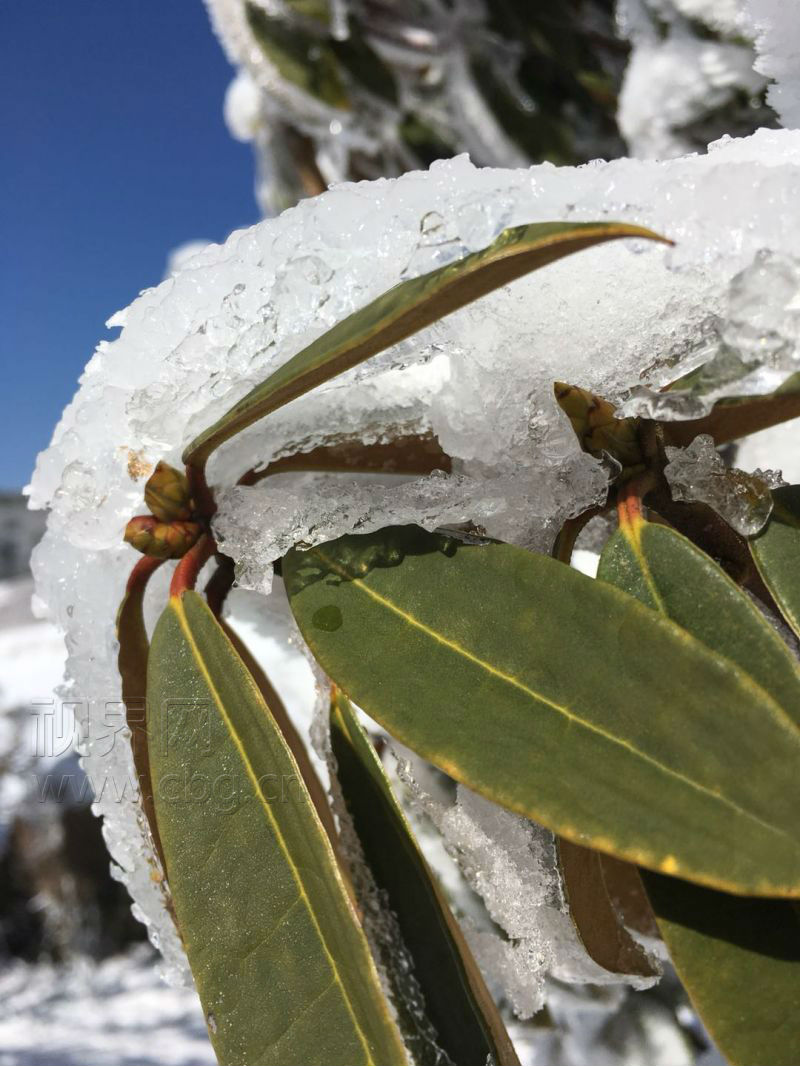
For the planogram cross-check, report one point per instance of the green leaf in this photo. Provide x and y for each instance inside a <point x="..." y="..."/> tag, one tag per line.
<point x="302" y="58"/>
<point x="364" y="65"/>
<point x="457" y="1003"/>
<point x="776" y="551"/>
<point x="740" y="962"/>
<point x="404" y="310"/>
<point x="294" y="741"/>
<point x="668" y="573"/>
<point x="316" y="10"/>
<point x="281" y="965"/>
<point x="562" y="698"/>
<point x="738" y="958"/>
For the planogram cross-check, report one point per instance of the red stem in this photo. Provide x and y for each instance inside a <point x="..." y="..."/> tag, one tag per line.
<point x="219" y="585"/>
<point x="141" y="573"/>
<point x="201" y="493"/>
<point x="631" y="495"/>
<point x="185" y="575"/>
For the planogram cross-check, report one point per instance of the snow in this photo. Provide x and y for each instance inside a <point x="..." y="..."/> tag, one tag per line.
<point x="179" y="257"/>
<point x="35" y="726"/>
<point x="692" y="58"/>
<point x="622" y="320"/>
<point x="116" y="1013"/>
<point x="776" y="28"/>
<point x="429" y="52"/>
<point x="510" y="862"/>
<point x="677" y="77"/>
<point x="33" y="658"/>
<point x="242" y="108"/>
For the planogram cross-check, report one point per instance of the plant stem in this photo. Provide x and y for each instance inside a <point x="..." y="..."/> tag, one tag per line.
<point x="132" y="665"/>
<point x="412" y="454"/>
<point x="219" y="585"/>
<point x="564" y="544"/>
<point x="141" y="573"/>
<point x="185" y="575"/>
<point x="630" y="496"/>
<point x="204" y="502"/>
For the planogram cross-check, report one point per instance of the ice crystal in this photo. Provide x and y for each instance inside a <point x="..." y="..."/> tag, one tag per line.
<point x="511" y="863"/>
<point x="697" y="474"/>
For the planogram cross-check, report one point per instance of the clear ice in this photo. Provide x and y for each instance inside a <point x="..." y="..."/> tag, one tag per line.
<point x="511" y="864"/>
<point x="697" y="474"/>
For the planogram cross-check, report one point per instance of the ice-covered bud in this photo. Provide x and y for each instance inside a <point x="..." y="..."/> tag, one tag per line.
<point x="597" y="427"/>
<point x="167" y="494"/>
<point x="162" y="540"/>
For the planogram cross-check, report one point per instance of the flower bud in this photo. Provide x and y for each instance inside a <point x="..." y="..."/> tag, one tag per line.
<point x="167" y="494"/>
<point x="597" y="427"/>
<point x="162" y="540"/>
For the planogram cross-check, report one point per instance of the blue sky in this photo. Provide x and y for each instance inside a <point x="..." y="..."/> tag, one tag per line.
<point x="113" y="151"/>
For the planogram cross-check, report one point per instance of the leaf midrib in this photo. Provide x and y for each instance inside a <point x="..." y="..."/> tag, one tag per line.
<point x="559" y="708"/>
<point x="186" y="630"/>
<point x="634" y="539"/>
<point x="406" y="320"/>
<point x="632" y="531"/>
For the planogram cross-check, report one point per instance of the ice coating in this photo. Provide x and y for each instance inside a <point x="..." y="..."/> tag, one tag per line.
<point x="753" y="347"/>
<point x="431" y="54"/>
<point x="699" y="68"/>
<point x="511" y="863"/>
<point x="690" y="69"/>
<point x="776" y="28"/>
<point x="698" y="474"/>
<point x="619" y="316"/>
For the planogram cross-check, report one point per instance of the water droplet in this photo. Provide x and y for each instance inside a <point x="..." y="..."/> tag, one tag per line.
<point x="211" y="1022"/>
<point x="327" y="618"/>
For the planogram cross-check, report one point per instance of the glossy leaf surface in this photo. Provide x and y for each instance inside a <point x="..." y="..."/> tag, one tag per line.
<point x="739" y="958"/>
<point x="562" y="698"/>
<point x="776" y="551"/>
<point x="457" y="1003"/>
<point x="668" y="573"/>
<point x="280" y="962"/>
<point x="404" y="310"/>
<point x="303" y="59"/>
<point x="291" y="736"/>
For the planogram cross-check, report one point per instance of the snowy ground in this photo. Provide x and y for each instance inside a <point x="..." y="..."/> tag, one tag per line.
<point x="113" y="1014"/>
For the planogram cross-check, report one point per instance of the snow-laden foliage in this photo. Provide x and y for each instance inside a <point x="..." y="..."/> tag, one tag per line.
<point x="702" y="67"/>
<point x="619" y="320"/>
<point x="690" y="76"/>
<point x="351" y="89"/>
